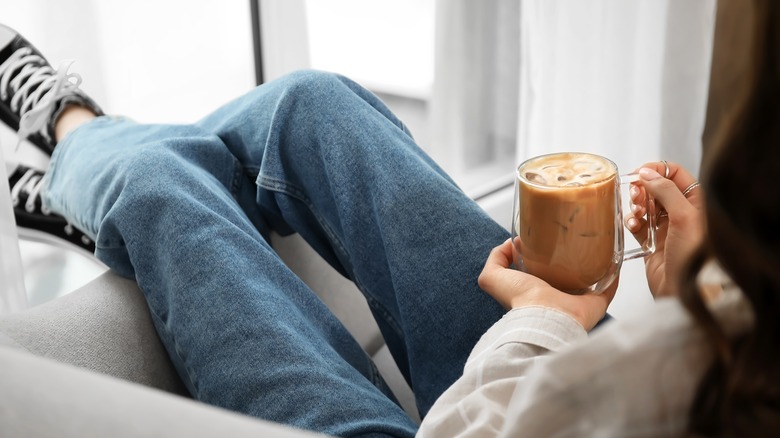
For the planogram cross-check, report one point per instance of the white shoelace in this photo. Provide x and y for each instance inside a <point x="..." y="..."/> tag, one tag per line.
<point x="35" y="107"/>
<point x="31" y="183"/>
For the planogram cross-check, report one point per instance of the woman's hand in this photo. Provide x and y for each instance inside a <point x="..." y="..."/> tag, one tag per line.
<point x="513" y="289"/>
<point x="680" y="224"/>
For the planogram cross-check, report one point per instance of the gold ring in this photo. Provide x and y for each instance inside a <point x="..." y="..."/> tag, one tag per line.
<point x="690" y="188"/>
<point x="667" y="171"/>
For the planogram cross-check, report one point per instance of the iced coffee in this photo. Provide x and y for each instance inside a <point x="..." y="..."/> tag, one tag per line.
<point x="566" y="219"/>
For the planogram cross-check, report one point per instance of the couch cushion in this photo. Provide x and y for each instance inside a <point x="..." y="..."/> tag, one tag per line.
<point x="121" y="342"/>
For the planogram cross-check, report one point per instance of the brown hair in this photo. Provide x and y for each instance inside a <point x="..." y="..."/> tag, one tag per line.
<point x="740" y="393"/>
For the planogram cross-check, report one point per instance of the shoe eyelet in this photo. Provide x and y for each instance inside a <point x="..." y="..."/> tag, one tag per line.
<point x="85" y="240"/>
<point x="69" y="230"/>
<point x="29" y="207"/>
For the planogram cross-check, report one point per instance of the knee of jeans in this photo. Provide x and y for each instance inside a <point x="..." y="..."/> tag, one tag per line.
<point x="327" y="95"/>
<point x="312" y="103"/>
<point x="312" y="83"/>
<point x="152" y="175"/>
<point x="313" y="94"/>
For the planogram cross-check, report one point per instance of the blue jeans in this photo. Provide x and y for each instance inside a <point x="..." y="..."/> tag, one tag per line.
<point x="186" y="211"/>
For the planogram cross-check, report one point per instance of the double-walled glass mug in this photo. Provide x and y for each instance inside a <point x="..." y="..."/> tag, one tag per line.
<point x="567" y="226"/>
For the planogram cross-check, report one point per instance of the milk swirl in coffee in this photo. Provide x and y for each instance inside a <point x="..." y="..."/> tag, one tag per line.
<point x="566" y="219"/>
<point x="568" y="170"/>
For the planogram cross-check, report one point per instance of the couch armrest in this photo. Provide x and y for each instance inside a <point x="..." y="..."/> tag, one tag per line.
<point x="43" y="398"/>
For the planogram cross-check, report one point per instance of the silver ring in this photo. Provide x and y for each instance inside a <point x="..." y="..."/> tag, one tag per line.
<point x="690" y="188"/>
<point x="667" y="171"/>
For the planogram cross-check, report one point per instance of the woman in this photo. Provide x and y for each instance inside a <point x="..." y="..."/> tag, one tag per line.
<point x="704" y="365"/>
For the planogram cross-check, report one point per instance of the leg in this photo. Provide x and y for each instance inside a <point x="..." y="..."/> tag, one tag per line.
<point x="332" y="163"/>
<point x="32" y="96"/>
<point x="243" y="331"/>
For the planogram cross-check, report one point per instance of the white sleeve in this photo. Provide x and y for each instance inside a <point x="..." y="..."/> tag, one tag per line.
<point x="476" y="404"/>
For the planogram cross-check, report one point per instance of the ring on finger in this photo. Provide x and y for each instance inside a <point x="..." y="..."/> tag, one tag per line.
<point x="690" y="188"/>
<point x="667" y="171"/>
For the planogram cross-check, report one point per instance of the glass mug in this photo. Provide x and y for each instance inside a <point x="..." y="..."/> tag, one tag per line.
<point x="567" y="221"/>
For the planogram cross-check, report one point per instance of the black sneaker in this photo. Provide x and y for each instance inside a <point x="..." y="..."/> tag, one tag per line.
<point x="32" y="93"/>
<point x="35" y="222"/>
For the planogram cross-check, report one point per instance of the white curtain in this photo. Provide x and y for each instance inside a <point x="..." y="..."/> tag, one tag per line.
<point x="625" y="79"/>
<point x="476" y="77"/>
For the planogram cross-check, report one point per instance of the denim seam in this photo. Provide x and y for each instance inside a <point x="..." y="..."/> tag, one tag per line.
<point x="376" y="376"/>
<point x="375" y="305"/>
<point x="252" y="171"/>
<point x="235" y="183"/>
<point x="282" y="186"/>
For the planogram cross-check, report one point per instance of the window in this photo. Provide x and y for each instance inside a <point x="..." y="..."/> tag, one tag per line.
<point x="153" y="61"/>
<point x="449" y="69"/>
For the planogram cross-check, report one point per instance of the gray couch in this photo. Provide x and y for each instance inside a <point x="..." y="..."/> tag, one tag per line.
<point x="90" y="363"/>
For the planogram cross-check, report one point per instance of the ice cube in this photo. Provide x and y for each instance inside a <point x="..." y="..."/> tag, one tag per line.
<point x="535" y="177"/>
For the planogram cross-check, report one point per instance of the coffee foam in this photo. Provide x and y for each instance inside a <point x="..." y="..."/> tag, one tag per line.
<point x="567" y="170"/>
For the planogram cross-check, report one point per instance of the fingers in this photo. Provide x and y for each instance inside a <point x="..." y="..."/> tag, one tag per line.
<point x="592" y="307"/>
<point x="669" y="193"/>
<point x="499" y="259"/>
<point x="500" y="281"/>
<point x="635" y="221"/>
<point x="512" y="288"/>
<point x="677" y="174"/>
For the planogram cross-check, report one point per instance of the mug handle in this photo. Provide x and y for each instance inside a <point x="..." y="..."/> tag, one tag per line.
<point x="648" y="246"/>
